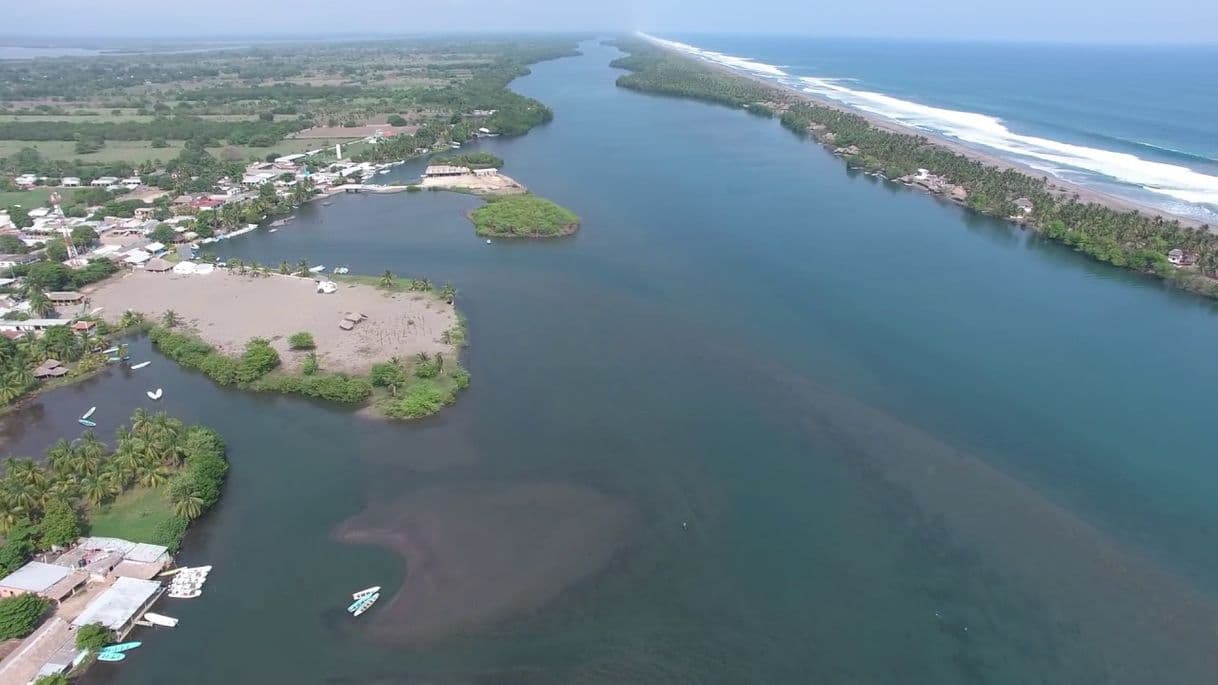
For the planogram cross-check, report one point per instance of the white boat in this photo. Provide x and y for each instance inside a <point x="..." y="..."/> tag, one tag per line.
<point x="341" y="270"/>
<point x="364" y="593"/>
<point x="154" y="395"/>
<point x="110" y="350"/>
<point x="272" y="230"/>
<point x="160" y="619"/>
<point x="488" y="241"/>
<point x="317" y="269"/>
<point x="170" y="572"/>
<point x="365" y="603"/>
<point x="139" y="366"/>
<point x="383" y="171"/>
<point x="89" y="413"/>
<point x="185" y="594"/>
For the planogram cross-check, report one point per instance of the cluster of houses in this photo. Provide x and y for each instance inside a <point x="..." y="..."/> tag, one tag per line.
<point x="103" y="580"/>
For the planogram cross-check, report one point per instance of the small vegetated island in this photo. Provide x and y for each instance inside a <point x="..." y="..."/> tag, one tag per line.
<point x="523" y="216"/>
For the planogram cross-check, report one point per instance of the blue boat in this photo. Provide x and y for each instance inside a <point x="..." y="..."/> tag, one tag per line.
<point x="121" y="647"/>
<point x="87" y="423"/>
<point x="111" y="656"/>
<point x="363" y="604"/>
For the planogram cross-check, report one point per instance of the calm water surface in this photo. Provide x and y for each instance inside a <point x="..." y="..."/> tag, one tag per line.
<point x="908" y="444"/>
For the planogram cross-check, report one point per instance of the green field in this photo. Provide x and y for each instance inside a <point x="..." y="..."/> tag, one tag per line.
<point x="133" y="515"/>
<point x="114" y="150"/>
<point x="136" y="151"/>
<point x="29" y="199"/>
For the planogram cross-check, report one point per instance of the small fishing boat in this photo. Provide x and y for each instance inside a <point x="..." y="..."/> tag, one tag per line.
<point x="364" y="604"/>
<point x="341" y="270"/>
<point x="114" y="359"/>
<point x="488" y="241"/>
<point x="154" y="395"/>
<point x="383" y="171"/>
<point x="140" y="365"/>
<point x="89" y="413"/>
<point x="185" y="594"/>
<point x="110" y="350"/>
<point x="272" y="230"/>
<point x="87" y="423"/>
<point x="111" y="656"/>
<point x="121" y="647"/>
<point x="364" y="593"/>
<point x="160" y="620"/>
<point x="170" y="572"/>
<point x="317" y="269"/>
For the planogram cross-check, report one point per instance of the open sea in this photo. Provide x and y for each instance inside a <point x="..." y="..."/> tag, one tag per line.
<point x="1133" y="121"/>
<point x="762" y="420"/>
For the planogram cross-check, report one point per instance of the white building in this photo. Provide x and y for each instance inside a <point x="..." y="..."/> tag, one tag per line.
<point x="26" y="180"/>
<point x="104" y="181"/>
<point x="119" y="606"/>
<point x="70" y="181"/>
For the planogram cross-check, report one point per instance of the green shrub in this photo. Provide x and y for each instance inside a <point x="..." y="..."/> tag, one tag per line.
<point x="301" y="341"/>
<point x="20" y="615"/>
<point x="258" y="360"/>
<point x="170" y="532"/>
<point x="420" y="399"/>
<point x="93" y="637"/>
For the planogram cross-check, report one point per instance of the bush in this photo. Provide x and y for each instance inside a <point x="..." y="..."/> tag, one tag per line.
<point x="396" y="120"/>
<point x="170" y="532"/>
<point x="93" y="637"/>
<point x="258" y="360"/>
<point x="60" y="526"/>
<point x="301" y="341"/>
<point x="20" y="615"/>
<point x="421" y="399"/>
<point x="18" y="547"/>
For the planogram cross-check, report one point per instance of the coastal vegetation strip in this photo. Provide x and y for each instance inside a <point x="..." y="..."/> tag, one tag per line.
<point x="160" y="476"/>
<point x="523" y="216"/>
<point x="1184" y="255"/>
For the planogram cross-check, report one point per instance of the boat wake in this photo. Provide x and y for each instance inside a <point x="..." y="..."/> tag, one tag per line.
<point x="1067" y="160"/>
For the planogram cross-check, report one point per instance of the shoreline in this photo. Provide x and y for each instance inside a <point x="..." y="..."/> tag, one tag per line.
<point x="1060" y="186"/>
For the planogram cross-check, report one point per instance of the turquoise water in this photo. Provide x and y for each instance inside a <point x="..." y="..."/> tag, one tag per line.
<point x="759" y="421"/>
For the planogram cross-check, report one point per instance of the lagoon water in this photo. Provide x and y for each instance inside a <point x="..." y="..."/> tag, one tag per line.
<point x="759" y="421"/>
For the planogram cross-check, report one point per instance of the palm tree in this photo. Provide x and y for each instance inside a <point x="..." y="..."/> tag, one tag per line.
<point x="152" y="476"/>
<point x="130" y="318"/>
<point x="40" y="304"/>
<point x="387" y="279"/>
<point x="96" y="489"/>
<point x="60" y="456"/>
<point x="187" y="504"/>
<point x="170" y="318"/>
<point x="302" y="267"/>
<point x="141" y="422"/>
<point x="285" y="268"/>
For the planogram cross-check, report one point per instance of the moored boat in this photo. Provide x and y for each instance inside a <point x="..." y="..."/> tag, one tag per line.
<point x="111" y="656"/>
<point x="154" y="395"/>
<point x="160" y="619"/>
<point x="89" y="413"/>
<point x="87" y="423"/>
<point x="365" y="603"/>
<point x="140" y="365"/>
<point x="364" y="593"/>
<point x="317" y="269"/>
<point x="184" y="594"/>
<point x="121" y="647"/>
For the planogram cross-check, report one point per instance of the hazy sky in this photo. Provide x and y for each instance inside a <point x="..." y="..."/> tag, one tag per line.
<point x="1052" y="20"/>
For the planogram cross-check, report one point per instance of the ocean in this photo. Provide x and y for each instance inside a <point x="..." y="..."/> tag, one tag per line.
<point x="1134" y="122"/>
<point x="762" y="420"/>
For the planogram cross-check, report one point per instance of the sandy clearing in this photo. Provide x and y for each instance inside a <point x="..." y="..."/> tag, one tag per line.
<point x="490" y="184"/>
<point x="226" y="310"/>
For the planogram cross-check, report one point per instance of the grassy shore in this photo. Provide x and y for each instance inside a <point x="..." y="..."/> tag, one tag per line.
<point x="137" y="514"/>
<point x="523" y="216"/>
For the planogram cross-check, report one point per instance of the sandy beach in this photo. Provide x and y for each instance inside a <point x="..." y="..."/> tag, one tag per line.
<point x="226" y="310"/>
<point x="1064" y="187"/>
